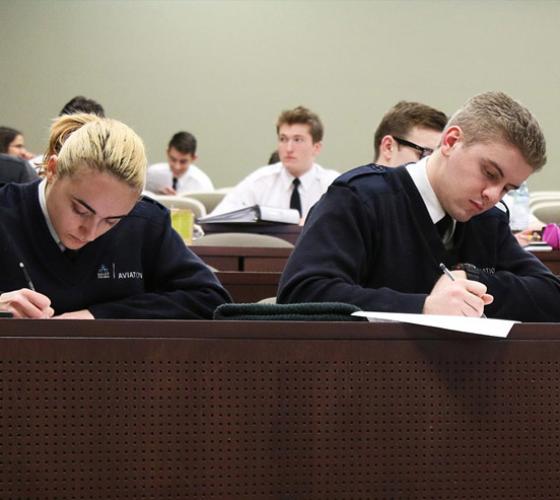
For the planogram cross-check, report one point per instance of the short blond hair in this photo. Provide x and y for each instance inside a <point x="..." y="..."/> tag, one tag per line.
<point x="100" y="143"/>
<point x="494" y="116"/>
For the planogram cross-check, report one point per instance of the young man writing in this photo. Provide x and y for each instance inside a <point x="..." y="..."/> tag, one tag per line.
<point x="373" y="240"/>
<point x="294" y="182"/>
<point x="179" y="174"/>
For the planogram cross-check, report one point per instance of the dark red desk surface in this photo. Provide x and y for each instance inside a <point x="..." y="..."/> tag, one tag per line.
<point x="244" y="258"/>
<point x="274" y="259"/>
<point x="248" y="286"/>
<point x="268" y="410"/>
<point x="550" y="259"/>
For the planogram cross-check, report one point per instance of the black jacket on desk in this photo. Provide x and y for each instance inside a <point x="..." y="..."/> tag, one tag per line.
<point x="370" y="241"/>
<point x="139" y="269"/>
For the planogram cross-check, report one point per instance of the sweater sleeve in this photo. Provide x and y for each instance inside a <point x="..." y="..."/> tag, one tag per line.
<point x="334" y="256"/>
<point x="523" y="287"/>
<point x="178" y="286"/>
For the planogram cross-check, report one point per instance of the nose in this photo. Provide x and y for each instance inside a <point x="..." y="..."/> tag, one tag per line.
<point x="493" y="194"/>
<point x="88" y="229"/>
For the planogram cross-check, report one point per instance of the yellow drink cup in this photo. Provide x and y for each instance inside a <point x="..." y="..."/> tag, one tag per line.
<point x="182" y="221"/>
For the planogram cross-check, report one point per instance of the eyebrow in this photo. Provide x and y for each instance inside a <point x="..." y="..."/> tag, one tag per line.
<point x="501" y="172"/>
<point x="86" y="206"/>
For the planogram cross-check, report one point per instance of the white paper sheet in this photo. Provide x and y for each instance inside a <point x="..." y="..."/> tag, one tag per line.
<point x="478" y="326"/>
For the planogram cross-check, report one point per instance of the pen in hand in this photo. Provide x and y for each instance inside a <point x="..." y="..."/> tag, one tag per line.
<point x="447" y="272"/>
<point x="30" y="284"/>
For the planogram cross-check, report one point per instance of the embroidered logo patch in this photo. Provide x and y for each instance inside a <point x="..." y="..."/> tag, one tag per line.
<point x="103" y="272"/>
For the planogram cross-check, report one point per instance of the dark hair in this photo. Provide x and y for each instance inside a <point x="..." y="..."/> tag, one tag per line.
<point x="81" y="104"/>
<point x="304" y="116"/>
<point x="184" y="142"/>
<point x="274" y="157"/>
<point x="403" y="117"/>
<point x="7" y="136"/>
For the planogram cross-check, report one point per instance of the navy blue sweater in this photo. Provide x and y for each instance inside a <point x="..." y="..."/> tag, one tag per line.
<point x="371" y="242"/>
<point x="139" y="269"/>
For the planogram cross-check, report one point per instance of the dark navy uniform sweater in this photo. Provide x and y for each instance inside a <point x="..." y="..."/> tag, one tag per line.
<point x="139" y="269"/>
<point x="370" y="241"/>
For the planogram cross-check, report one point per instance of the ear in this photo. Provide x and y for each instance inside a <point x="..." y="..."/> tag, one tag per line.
<point x="451" y="139"/>
<point x="386" y="147"/>
<point x="317" y="148"/>
<point x="194" y="157"/>
<point x="51" y="168"/>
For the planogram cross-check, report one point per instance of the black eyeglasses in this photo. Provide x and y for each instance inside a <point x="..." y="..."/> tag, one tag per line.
<point x="423" y="151"/>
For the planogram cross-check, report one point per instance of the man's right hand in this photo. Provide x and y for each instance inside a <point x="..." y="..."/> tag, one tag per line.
<point x="26" y="303"/>
<point x="461" y="297"/>
<point x="168" y="191"/>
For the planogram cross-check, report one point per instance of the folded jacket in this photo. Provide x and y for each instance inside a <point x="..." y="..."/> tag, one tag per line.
<point x="307" y="311"/>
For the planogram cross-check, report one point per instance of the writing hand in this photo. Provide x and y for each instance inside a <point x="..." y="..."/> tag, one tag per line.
<point x="26" y="303"/>
<point x="461" y="297"/>
<point x="81" y="314"/>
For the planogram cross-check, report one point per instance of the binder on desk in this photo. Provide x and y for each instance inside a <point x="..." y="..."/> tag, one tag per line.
<point x="255" y="213"/>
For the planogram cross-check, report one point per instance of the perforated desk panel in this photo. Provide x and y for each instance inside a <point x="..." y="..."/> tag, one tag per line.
<point x="177" y="410"/>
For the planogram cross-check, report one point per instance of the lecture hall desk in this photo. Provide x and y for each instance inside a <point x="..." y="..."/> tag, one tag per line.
<point x="274" y="259"/>
<point x="274" y="411"/>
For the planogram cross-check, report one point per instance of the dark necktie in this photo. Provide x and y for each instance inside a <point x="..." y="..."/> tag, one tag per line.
<point x="295" y="200"/>
<point x="174" y="183"/>
<point x="445" y="230"/>
<point x="72" y="255"/>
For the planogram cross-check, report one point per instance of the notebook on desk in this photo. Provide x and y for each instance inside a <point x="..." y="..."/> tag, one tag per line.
<point x="255" y="213"/>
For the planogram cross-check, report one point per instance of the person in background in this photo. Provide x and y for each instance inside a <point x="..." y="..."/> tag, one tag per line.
<point x="12" y="143"/>
<point x="83" y="244"/>
<point x="408" y="132"/>
<point x="179" y="174"/>
<point x="296" y="181"/>
<point x="274" y="157"/>
<point x="377" y="239"/>
<point x="81" y="104"/>
<point x="14" y="164"/>
<point x="76" y="105"/>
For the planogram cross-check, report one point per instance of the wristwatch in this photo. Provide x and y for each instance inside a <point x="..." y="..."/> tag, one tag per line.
<point x="472" y="272"/>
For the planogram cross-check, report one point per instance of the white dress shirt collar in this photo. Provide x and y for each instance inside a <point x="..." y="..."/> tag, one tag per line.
<point x="43" y="203"/>
<point x="306" y="179"/>
<point x="420" y="178"/>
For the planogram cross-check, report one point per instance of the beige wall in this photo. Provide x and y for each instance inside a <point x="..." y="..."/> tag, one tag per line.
<point x="223" y="69"/>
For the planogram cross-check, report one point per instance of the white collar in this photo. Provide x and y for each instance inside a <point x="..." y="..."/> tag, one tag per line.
<point x="305" y="179"/>
<point x="420" y="178"/>
<point x="43" y="203"/>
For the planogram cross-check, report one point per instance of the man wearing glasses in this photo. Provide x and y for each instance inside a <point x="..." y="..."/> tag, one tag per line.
<point x="381" y="237"/>
<point x="408" y="132"/>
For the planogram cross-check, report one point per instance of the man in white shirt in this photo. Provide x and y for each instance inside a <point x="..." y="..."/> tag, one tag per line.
<point x="408" y="132"/>
<point x="294" y="182"/>
<point x="179" y="174"/>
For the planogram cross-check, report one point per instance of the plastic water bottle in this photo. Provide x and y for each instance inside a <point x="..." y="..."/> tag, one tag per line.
<point x="520" y="210"/>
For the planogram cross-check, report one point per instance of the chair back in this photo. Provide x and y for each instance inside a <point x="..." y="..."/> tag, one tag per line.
<point x="209" y="199"/>
<point x="538" y="196"/>
<point x="547" y="211"/>
<point x="182" y="202"/>
<point x="242" y="240"/>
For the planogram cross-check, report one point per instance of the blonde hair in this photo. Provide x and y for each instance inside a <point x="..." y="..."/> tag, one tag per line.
<point x="99" y="143"/>
<point x="494" y="116"/>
